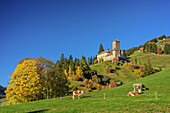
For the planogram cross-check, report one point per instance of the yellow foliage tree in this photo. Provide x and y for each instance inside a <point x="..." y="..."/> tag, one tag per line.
<point x="79" y="72"/>
<point x="70" y="71"/>
<point x="65" y="72"/>
<point x="25" y="84"/>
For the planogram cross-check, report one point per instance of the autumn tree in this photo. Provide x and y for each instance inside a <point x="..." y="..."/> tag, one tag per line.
<point x="25" y="84"/>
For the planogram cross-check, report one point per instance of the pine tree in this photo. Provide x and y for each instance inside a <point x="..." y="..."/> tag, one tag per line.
<point x="85" y="68"/>
<point x="25" y="84"/>
<point x="71" y="63"/>
<point x="100" y="49"/>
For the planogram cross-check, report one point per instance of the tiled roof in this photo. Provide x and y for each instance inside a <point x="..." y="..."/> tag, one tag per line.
<point x="107" y="51"/>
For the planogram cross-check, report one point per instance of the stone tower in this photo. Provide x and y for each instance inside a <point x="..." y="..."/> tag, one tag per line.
<point x="116" y="45"/>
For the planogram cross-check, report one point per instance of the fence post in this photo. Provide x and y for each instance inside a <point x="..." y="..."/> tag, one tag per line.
<point x="104" y="96"/>
<point x="156" y="94"/>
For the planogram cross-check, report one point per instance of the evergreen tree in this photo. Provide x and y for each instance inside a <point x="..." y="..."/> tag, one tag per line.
<point x="100" y="49"/>
<point x="71" y="63"/>
<point x="85" y="68"/>
<point x="167" y="49"/>
<point x="59" y="83"/>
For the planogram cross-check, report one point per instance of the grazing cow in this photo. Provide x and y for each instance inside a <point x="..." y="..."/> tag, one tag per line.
<point x="78" y="92"/>
<point x="140" y="86"/>
<point x="133" y="93"/>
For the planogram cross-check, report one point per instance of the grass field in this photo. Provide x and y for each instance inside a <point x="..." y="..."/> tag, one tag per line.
<point x="156" y="60"/>
<point x="122" y="74"/>
<point x="115" y="99"/>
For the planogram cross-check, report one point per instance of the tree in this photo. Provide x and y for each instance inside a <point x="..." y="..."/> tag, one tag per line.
<point x="71" y="63"/>
<point x="25" y="84"/>
<point x="79" y="72"/>
<point x="85" y="68"/>
<point x="59" y="83"/>
<point x="100" y="49"/>
<point x="45" y="66"/>
<point x="167" y="48"/>
<point x="162" y="37"/>
<point x="159" y="51"/>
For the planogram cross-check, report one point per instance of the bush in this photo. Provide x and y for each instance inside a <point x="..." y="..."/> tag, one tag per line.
<point x="94" y="86"/>
<point x="76" y="78"/>
<point x="87" y="90"/>
<point x="85" y="81"/>
<point x="103" y="87"/>
<point x="95" y="79"/>
<point x="137" y="72"/>
<point x="125" y="65"/>
<point x="113" y="84"/>
<point x="74" y="88"/>
<point x="98" y="87"/>
<point x="96" y="61"/>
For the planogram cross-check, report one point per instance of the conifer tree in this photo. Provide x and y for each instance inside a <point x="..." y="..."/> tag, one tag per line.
<point x="71" y="63"/>
<point x="100" y="49"/>
<point x="85" y="68"/>
<point x="25" y="84"/>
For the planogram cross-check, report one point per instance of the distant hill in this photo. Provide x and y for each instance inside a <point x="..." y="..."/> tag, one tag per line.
<point x="160" y="43"/>
<point x="156" y="60"/>
<point x="2" y="89"/>
<point x="115" y="99"/>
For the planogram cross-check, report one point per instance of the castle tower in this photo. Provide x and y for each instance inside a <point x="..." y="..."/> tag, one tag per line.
<point x="116" y="45"/>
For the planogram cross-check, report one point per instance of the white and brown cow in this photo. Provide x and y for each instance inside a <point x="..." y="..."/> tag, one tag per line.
<point x="139" y="85"/>
<point x="133" y="93"/>
<point x="78" y="92"/>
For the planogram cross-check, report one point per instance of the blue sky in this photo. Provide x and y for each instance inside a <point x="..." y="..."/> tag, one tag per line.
<point x="48" y="28"/>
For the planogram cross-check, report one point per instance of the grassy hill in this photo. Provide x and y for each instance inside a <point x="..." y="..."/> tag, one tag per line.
<point x="118" y="73"/>
<point x="156" y="60"/>
<point x="115" y="99"/>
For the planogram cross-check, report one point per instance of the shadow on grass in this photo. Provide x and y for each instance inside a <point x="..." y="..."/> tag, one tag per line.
<point x="85" y="96"/>
<point x="38" y="111"/>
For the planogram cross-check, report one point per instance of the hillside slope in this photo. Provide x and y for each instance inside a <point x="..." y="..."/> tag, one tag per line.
<point x="115" y="99"/>
<point x="118" y="73"/>
<point x="156" y="60"/>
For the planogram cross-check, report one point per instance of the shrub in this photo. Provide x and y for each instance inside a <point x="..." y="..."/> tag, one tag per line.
<point x="95" y="79"/>
<point x="103" y="87"/>
<point x="137" y="71"/>
<point x="85" y="81"/>
<point x="125" y="65"/>
<point x="94" y="86"/>
<point x="87" y="90"/>
<point x="113" y="84"/>
<point x="159" y="51"/>
<point x="98" y="87"/>
<point x="96" y="61"/>
<point x="74" y="88"/>
<point x="101" y="60"/>
<point x="76" y="78"/>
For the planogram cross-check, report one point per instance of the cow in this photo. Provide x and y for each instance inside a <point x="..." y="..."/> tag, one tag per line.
<point x="78" y="92"/>
<point x="133" y="93"/>
<point x="140" y="86"/>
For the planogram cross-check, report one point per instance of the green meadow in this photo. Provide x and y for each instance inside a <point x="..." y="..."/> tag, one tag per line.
<point x="156" y="60"/>
<point x="115" y="99"/>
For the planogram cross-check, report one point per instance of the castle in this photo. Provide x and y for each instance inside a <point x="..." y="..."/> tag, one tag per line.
<point x="114" y="53"/>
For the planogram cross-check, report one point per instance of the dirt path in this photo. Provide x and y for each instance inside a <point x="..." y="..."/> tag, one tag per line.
<point x="4" y="103"/>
